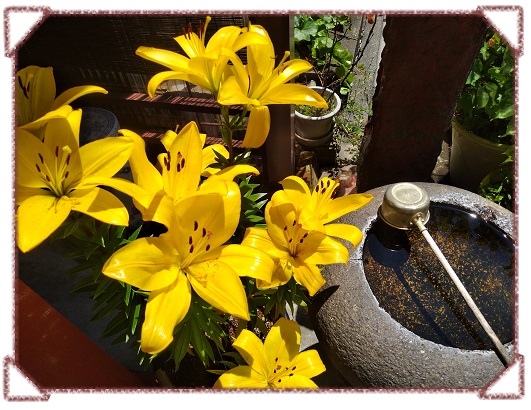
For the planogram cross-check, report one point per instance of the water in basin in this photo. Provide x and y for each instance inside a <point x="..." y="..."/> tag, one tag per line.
<point x="411" y="285"/>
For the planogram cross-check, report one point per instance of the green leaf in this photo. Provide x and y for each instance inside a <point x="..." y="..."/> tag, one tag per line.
<point x="113" y="303"/>
<point x="482" y="98"/>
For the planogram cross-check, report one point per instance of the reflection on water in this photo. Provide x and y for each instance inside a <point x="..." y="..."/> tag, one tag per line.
<point x="410" y="283"/>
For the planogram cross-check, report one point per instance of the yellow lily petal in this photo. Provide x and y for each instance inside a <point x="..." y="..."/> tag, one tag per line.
<point x="245" y="260"/>
<point x="63" y="132"/>
<point x="343" y="205"/>
<point x="232" y="92"/>
<point x="66" y="97"/>
<point x="297" y="190"/>
<point x="309" y="364"/>
<point x="229" y="173"/>
<point x="122" y="185"/>
<point x="318" y="248"/>
<point x="163" y="76"/>
<point x="164" y="310"/>
<point x="101" y="205"/>
<point x="34" y="93"/>
<point x="38" y="217"/>
<point x="168" y="138"/>
<point x="289" y="70"/>
<point x="28" y="163"/>
<point x="308" y="276"/>
<point x="282" y="343"/>
<point x="22" y="193"/>
<point x="294" y="382"/>
<point x="105" y="157"/>
<point x="293" y="94"/>
<point x="144" y="172"/>
<point x="241" y="377"/>
<point x="257" y="127"/>
<point x="191" y="44"/>
<point x="281" y="274"/>
<point x="253" y="352"/>
<point x="62" y="112"/>
<point x="225" y="37"/>
<point x="260" y="239"/>
<point x="282" y="222"/>
<point x="181" y="167"/>
<point x="160" y="208"/>
<point x="217" y="283"/>
<point x="170" y="59"/>
<point x="146" y="263"/>
<point x="350" y="233"/>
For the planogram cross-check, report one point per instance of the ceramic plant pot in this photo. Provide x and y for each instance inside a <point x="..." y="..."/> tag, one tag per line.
<point x="472" y="158"/>
<point x="314" y="131"/>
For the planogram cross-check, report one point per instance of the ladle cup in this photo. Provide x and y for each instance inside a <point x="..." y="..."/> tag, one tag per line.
<point x="406" y="205"/>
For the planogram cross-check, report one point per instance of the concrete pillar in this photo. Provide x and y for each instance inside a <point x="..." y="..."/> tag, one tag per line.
<point x="424" y="65"/>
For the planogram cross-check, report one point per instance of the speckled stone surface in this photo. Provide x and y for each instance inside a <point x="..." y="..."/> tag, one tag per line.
<point x="369" y="347"/>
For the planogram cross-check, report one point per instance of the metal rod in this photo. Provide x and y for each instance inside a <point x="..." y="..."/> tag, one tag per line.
<point x="502" y="353"/>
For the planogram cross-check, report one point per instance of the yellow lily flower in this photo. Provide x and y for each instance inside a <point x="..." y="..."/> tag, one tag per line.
<point x="205" y="65"/>
<point x="56" y="176"/>
<point x="296" y="251"/>
<point x="190" y="255"/>
<point x="35" y="93"/>
<point x="259" y="84"/>
<point x="181" y="168"/>
<point x="276" y="363"/>
<point x="318" y="208"/>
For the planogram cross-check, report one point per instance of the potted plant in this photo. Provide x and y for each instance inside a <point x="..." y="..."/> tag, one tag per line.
<point x="320" y="39"/>
<point x="483" y="125"/>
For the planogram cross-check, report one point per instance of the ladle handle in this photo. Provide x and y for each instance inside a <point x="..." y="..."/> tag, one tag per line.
<point x="497" y="343"/>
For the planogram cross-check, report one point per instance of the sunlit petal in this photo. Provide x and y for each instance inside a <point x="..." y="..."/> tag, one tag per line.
<point x="61" y="112"/>
<point x="122" y="185"/>
<point x="260" y="239"/>
<point x="146" y="263"/>
<point x="106" y="156"/>
<point x="144" y="172"/>
<point x="182" y="167"/>
<point x="164" y="310"/>
<point x="293" y="94"/>
<point x="297" y="190"/>
<point x="308" y="276"/>
<point x="281" y="223"/>
<point x="101" y="205"/>
<point x="257" y="127"/>
<point x="30" y="168"/>
<point x="163" y="76"/>
<point x="282" y="343"/>
<point x="35" y="92"/>
<point x="245" y="260"/>
<point x="294" y="382"/>
<point x="73" y="93"/>
<point x="170" y="59"/>
<point x="229" y="173"/>
<point x="309" y="364"/>
<point x="232" y="93"/>
<point x="241" y="377"/>
<point x="38" y="217"/>
<point x="343" y="205"/>
<point x="253" y="352"/>
<point x="318" y="248"/>
<point x="350" y="233"/>
<point x="217" y="283"/>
